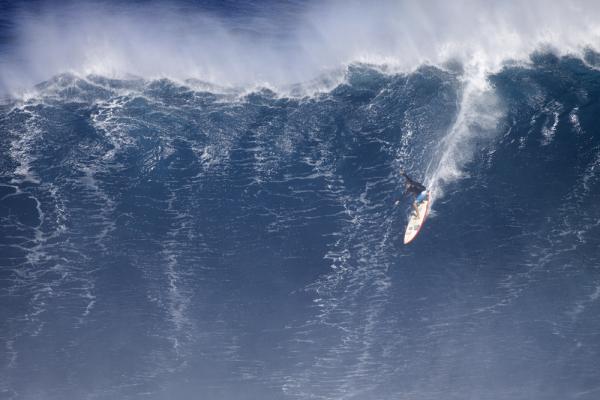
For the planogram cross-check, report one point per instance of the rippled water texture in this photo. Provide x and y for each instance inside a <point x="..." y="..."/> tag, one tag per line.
<point x="160" y="241"/>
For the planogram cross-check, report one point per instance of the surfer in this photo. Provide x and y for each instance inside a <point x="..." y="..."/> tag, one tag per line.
<point x="416" y="189"/>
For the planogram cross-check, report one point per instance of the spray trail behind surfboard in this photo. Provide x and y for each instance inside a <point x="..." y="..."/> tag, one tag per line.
<point x="476" y="122"/>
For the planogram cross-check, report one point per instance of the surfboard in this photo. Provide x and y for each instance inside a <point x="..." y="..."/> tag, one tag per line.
<point x="416" y="223"/>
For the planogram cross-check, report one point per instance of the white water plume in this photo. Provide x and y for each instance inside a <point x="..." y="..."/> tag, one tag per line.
<point x="283" y="44"/>
<point x="478" y="114"/>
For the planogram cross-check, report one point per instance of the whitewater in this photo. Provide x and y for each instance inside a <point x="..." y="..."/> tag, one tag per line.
<point x="197" y="200"/>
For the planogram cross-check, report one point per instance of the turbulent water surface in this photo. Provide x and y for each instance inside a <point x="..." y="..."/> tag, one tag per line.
<point x="164" y="239"/>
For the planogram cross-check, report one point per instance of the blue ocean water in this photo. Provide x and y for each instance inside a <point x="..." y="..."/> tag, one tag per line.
<point x="162" y="239"/>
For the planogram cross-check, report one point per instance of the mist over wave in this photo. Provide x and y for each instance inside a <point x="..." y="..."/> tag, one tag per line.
<point x="283" y="44"/>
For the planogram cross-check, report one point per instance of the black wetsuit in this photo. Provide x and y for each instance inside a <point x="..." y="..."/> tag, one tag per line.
<point x="413" y="186"/>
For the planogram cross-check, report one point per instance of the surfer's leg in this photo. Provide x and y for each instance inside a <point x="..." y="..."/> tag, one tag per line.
<point x="416" y="209"/>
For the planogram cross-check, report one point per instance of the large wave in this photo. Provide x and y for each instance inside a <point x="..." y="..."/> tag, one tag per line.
<point x="219" y="223"/>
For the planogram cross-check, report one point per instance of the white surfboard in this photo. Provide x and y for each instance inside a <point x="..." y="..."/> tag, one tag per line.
<point x="416" y="223"/>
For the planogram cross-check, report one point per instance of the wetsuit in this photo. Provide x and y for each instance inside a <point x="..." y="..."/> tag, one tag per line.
<point x="417" y="189"/>
<point x="413" y="186"/>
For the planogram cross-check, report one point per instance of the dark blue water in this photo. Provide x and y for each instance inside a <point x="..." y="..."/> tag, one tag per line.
<point x="163" y="241"/>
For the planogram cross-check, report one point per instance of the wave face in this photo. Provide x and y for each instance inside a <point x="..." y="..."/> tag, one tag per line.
<point x="162" y="241"/>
